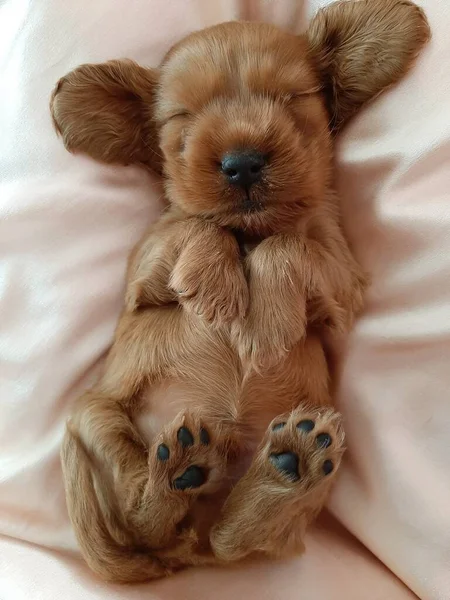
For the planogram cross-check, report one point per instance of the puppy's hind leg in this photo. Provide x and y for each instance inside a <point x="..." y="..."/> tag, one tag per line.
<point x="286" y="486"/>
<point x="108" y="546"/>
<point x="127" y="519"/>
<point x="127" y="501"/>
<point x="187" y="459"/>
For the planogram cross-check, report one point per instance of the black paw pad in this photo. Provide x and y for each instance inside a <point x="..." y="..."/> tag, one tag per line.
<point x="278" y="426"/>
<point x="287" y="463"/>
<point x="185" y="437"/>
<point x="204" y="437"/>
<point x="306" y="426"/>
<point x="323" y="440"/>
<point x="328" y="467"/>
<point x="163" y="452"/>
<point x="193" y="477"/>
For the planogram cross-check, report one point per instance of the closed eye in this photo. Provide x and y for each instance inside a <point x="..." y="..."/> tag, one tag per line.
<point x="182" y="114"/>
<point x="289" y="96"/>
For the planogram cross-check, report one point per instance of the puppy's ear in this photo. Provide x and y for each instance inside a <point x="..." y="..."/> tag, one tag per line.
<point x="106" y="110"/>
<point x="362" y="47"/>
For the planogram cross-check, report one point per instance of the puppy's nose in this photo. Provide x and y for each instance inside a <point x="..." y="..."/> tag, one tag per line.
<point x="244" y="167"/>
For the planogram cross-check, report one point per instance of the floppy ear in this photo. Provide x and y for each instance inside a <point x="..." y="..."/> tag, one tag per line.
<point x="106" y="111"/>
<point x="362" y="47"/>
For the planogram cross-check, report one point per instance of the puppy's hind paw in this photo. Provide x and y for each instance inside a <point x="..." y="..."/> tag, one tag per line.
<point x="304" y="449"/>
<point x="187" y="457"/>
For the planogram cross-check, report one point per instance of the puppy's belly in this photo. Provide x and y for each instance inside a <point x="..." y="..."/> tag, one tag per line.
<point x="162" y="403"/>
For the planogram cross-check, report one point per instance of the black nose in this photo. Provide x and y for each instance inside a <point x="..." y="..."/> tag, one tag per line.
<point x="243" y="168"/>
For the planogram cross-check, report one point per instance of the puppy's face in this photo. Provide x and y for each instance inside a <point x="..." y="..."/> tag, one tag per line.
<point x="239" y="116"/>
<point x="243" y="127"/>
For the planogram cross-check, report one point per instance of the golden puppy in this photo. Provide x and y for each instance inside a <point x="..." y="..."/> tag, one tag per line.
<point x="211" y="435"/>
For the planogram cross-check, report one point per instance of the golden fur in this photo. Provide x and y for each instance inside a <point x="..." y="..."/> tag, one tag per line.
<point x="218" y="370"/>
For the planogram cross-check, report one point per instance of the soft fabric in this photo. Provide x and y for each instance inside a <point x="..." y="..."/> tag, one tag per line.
<point x="66" y="227"/>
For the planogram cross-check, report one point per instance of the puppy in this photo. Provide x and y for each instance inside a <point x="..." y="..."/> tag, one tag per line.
<point x="211" y="435"/>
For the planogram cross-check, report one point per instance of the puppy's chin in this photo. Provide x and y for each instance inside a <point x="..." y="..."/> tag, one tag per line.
<point x="260" y="210"/>
<point x="250" y="214"/>
<point x="256" y="217"/>
<point x="250" y="206"/>
<point x="248" y="201"/>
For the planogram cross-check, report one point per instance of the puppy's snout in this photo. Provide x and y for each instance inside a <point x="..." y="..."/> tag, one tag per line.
<point x="243" y="167"/>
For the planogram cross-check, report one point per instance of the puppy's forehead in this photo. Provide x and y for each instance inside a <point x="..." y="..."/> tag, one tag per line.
<point x="233" y="58"/>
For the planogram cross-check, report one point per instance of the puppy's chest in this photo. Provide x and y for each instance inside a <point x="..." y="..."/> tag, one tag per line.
<point x="246" y="242"/>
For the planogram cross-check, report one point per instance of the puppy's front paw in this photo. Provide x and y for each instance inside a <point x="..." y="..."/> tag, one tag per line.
<point x="150" y="284"/>
<point x="276" y="318"/>
<point x="270" y="331"/>
<point x="215" y="290"/>
<point x="343" y="304"/>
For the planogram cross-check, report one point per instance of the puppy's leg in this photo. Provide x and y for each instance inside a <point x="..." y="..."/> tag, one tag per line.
<point x="186" y="459"/>
<point x="126" y="502"/>
<point x="295" y="278"/>
<point x="286" y="486"/>
<point x="110" y="547"/>
<point x="104" y="458"/>
<point x="277" y="317"/>
<point x="192" y="262"/>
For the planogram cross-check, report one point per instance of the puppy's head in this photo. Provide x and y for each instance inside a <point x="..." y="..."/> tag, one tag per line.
<point x="239" y="117"/>
<point x="243" y="127"/>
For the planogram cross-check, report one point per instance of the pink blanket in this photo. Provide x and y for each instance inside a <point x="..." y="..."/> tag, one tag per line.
<point x="66" y="226"/>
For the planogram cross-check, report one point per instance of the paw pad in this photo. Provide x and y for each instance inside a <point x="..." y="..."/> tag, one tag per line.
<point x="185" y="437"/>
<point x="296" y="442"/>
<point x="204" y="437"/>
<point x="328" y="467"/>
<point x="278" y="426"/>
<point x="287" y="463"/>
<point x="183" y="448"/>
<point x="323" y="440"/>
<point x="193" y="477"/>
<point x="163" y="452"/>
<point x="306" y="425"/>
